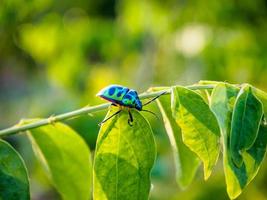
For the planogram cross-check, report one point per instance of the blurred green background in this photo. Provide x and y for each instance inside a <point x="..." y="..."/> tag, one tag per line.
<point x="56" y="55"/>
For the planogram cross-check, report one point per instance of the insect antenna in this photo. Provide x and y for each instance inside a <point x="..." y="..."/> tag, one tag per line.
<point x="109" y="117"/>
<point x="151" y="113"/>
<point x="151" y="100"/>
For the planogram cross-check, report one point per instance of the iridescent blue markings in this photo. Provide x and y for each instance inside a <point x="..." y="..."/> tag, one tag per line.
<point x="123" y="96"/>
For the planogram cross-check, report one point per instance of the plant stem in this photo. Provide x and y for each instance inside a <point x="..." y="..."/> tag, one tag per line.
<point x="86" y="110"/>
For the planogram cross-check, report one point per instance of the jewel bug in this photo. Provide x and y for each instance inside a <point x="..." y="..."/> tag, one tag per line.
<point x="124" y="97"/>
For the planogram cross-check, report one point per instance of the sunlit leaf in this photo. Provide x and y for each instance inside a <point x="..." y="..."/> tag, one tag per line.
<point x="14" y="183"/>
<point x="246" y="119"/>
<point x="200" y="130"/>
<point x="222" y="103"/>
<point x="66" y="159"/>
<point x="124" y="158"/>
<point x="186" y="162"/>
<point x="237" y="178"/>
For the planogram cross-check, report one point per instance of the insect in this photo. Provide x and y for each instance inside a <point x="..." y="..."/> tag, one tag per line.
<point x="124" y="97"/>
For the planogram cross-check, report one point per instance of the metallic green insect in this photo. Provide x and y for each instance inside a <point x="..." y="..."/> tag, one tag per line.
<point x="125" y="97"/>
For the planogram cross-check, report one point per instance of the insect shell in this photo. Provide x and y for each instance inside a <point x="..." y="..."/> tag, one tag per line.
<point x="120" y="95"/>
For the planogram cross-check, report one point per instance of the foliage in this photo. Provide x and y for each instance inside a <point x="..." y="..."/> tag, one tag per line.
<point x="198" y="124"/>
<point x="14" y="182"/>
<point x="65" y="158"/>
<point x="186" y="162"/>
<point x="56" y="55"/>
<point x="124" y="158"/>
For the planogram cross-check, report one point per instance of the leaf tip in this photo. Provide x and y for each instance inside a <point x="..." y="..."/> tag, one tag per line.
<point x="207" y="172"/>
<point x="207" y="175"/>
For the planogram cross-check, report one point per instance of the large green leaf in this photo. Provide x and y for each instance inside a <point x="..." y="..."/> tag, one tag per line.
<point x="246" y="120"/>
<point x="186" y="162"/>
<point x="200" y="130"/>
<point x="124" y="158"/>
<point x="66" y="159"/>
<point x="222" y="103"/>
<point x="14" y="183"/>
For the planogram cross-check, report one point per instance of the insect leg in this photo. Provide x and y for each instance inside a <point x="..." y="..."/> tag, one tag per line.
<point x="109" y="117"/>
<point x="154" y="98"/>
<point x="151" y="113"/>
<point x="130" y="120"/>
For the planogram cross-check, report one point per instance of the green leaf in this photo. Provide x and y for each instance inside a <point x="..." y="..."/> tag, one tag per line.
<point x="222" y="103"/>
<point x="66" y="159"/>
<point x="200" y="130"/>
<point x="246" y="120"/>
<point x="124" y="158"/>
<point x="204" y="94"/>
<point x="186" y="162"/>
<point x="237" y="178"/>
<point x="254" y="156"/>
<point x="14" y="183"/>
<point x="262" y="96"/>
